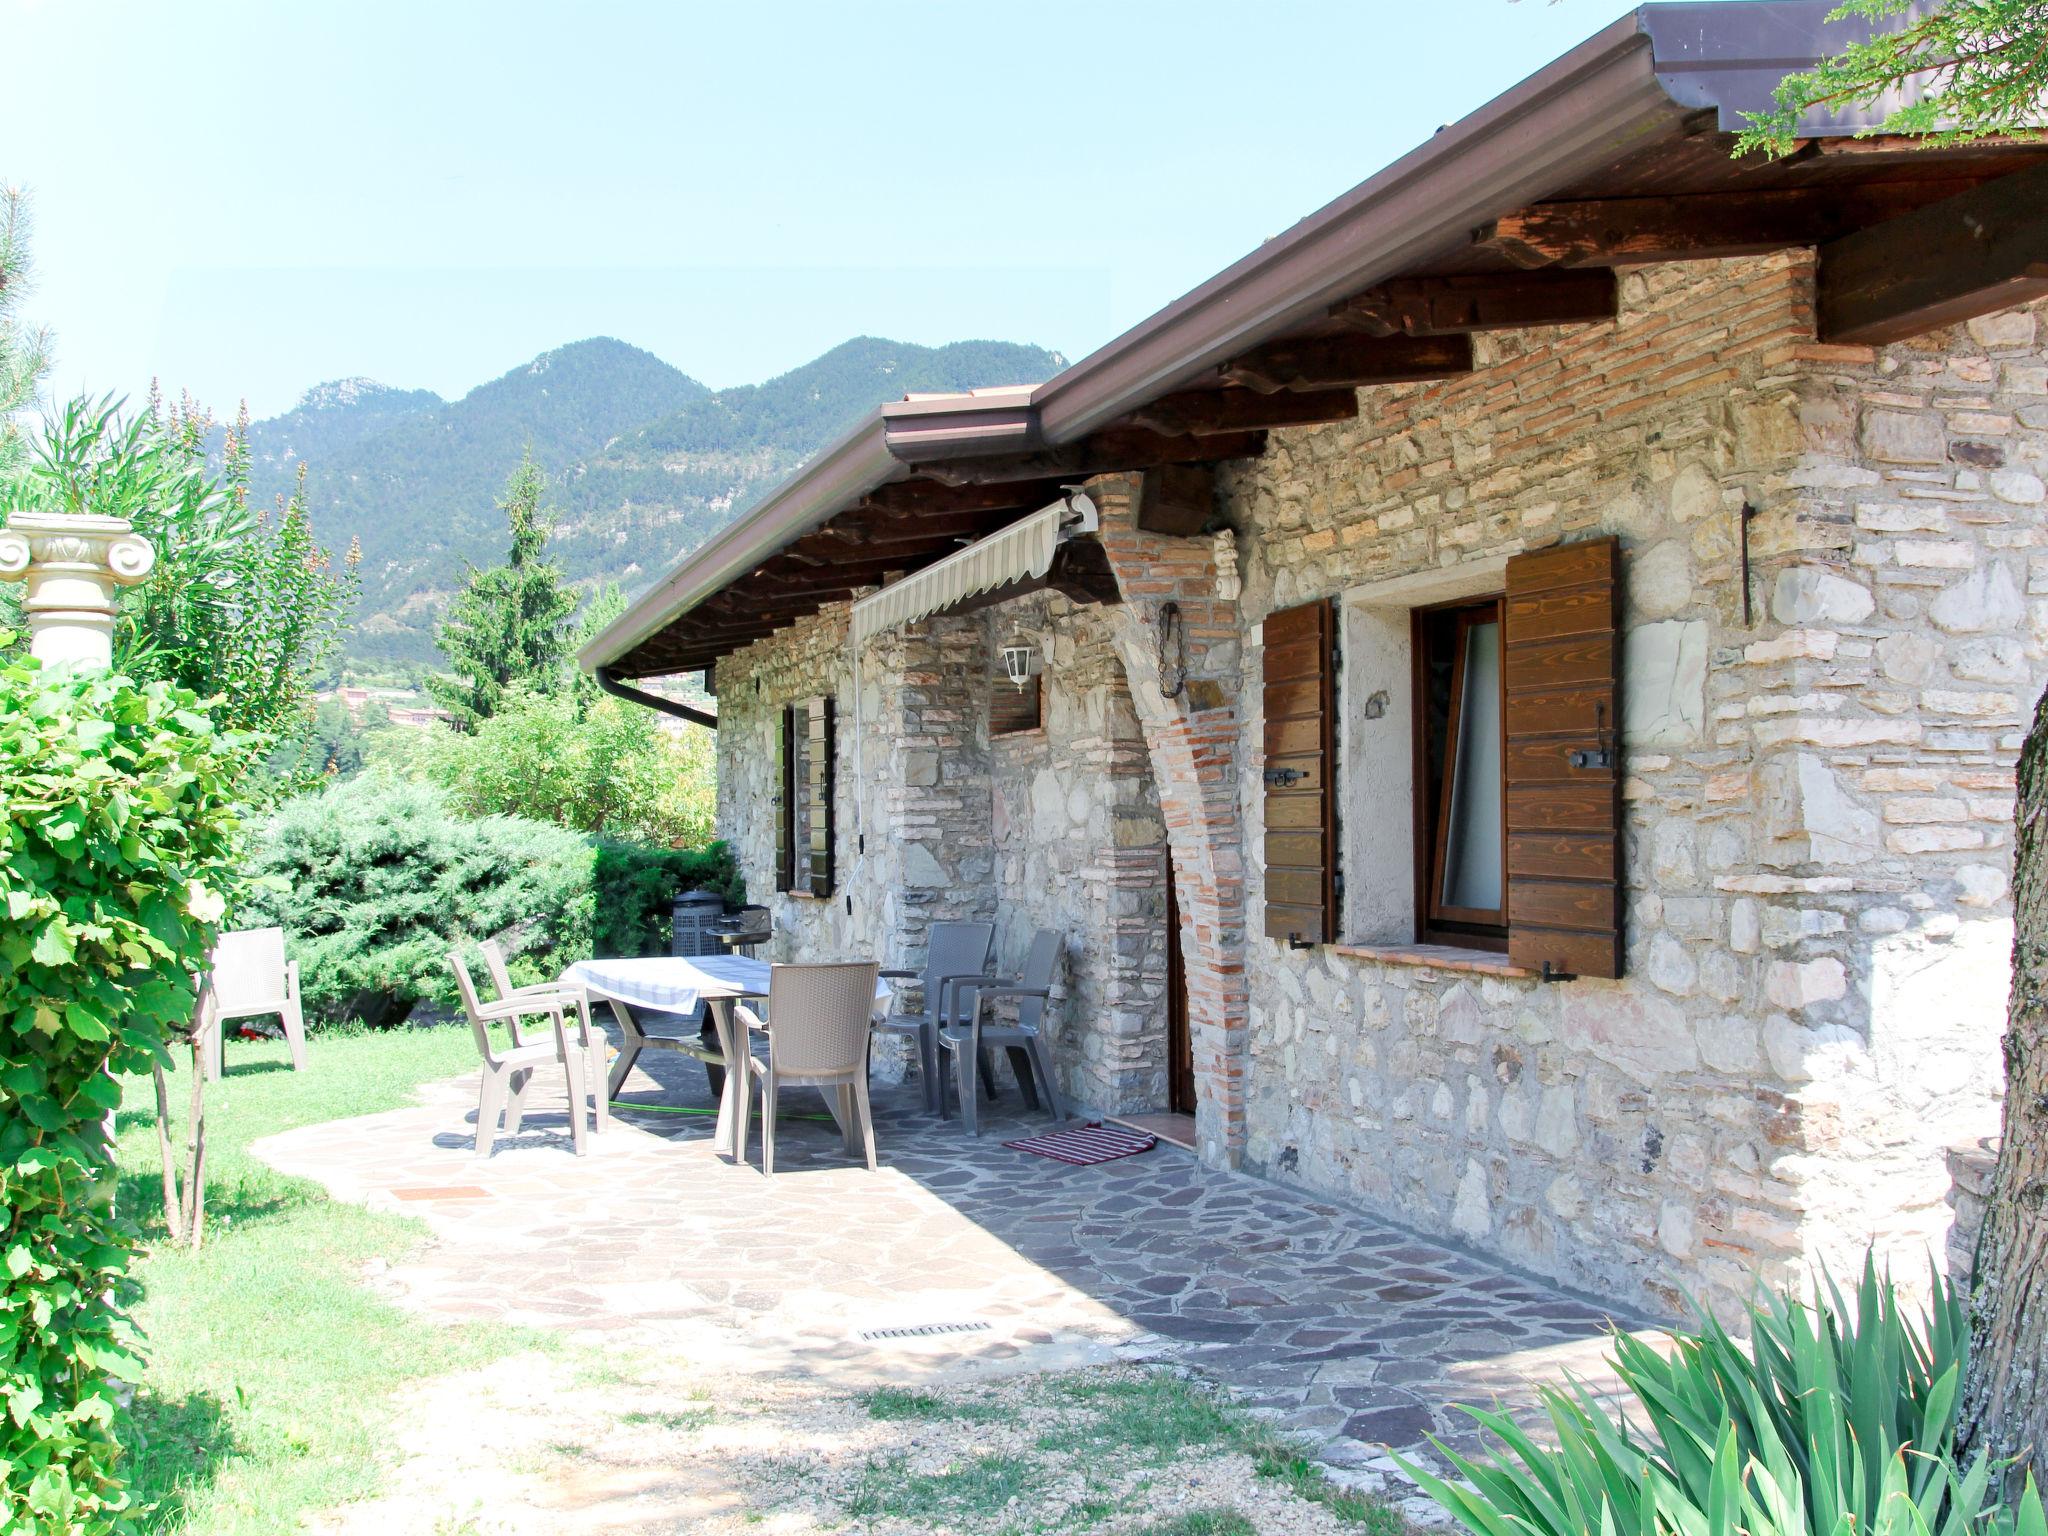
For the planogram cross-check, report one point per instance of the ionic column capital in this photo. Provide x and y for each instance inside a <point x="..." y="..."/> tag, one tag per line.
<point x="71" y="563"/>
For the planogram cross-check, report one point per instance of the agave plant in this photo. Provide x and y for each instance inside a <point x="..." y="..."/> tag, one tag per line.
<point x="1833" y="1421"/>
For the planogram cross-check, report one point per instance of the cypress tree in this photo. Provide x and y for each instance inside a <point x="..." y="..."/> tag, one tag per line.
<point x="509" y="628"/>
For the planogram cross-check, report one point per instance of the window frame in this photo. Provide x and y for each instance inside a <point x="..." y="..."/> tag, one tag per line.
<point x="1484" y="929"/>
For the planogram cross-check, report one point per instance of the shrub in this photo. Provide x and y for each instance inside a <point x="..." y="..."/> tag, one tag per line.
<point x="119" y="827"/>
<point x="377" y="879"/>
<point x="1834" y="1421"/>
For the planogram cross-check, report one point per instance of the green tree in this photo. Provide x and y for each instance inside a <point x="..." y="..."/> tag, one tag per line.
<point x="1969" y="69"/>
<point x="603" y="767"/>
<point x="24" y="350"/>
<point x="1972" y="67"/>
<point x="244" y="608"/>
<point x="510" y="626"/>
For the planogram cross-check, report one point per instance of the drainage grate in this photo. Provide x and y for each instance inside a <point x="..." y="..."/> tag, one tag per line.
<point x="922" y="1331"/>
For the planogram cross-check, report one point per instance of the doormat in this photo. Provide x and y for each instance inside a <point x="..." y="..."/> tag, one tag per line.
<point x="1085" y="1144"/>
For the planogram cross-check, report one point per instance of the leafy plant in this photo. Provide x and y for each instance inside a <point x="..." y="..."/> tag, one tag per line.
<point x="374" y="880"/>
<point x="120" y="824"/>
<point x="24" y="352"/>
<point x="598" y="766"/>
<point x="1980" y="67"/>
<point x="244" y="607"/>
<point x="1836" y="1420"/>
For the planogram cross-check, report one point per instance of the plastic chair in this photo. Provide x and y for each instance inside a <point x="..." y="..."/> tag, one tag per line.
<point x="248" y="976"/>
<point x="507" y="1073"/>
<point x="537" y="994"/>
<point x="817" y="1037"/>
<point x="1025" y="1040"/>
<point x="955" y="953"/>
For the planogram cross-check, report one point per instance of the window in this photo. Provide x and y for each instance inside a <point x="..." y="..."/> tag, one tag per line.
<point x="1460" y="794"/>
<point x="806" y="779"/>
<point x="1441" y="754"/>
<point x="1013" y="710"/>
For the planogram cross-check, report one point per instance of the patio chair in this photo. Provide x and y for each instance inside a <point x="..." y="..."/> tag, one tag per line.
<point x="1025" y="1040"/>
<point x="955" y="953"/>
<point x="536" y="995"/>
<point x="248" y="976"/>
<point x="507" y="1073"/>
<point x="817" y="1031"/>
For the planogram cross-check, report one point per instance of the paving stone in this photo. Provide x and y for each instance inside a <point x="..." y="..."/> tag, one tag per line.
<point x="1343" y="1324"/>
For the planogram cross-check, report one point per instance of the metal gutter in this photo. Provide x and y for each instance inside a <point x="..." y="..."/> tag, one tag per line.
<point x="1643" y="75"/>
<point x="608" y="680"/>
<point x="850" y="468"/>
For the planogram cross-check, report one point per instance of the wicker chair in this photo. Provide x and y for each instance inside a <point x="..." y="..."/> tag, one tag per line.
<point x="955" y="954"/>
<point x="507" y="1073"/>
<point x="817" y="1029"/>
<point x="1024" y="1040"/>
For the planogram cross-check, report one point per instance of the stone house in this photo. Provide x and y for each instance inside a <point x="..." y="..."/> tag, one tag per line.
<point x="1510" y="692"/>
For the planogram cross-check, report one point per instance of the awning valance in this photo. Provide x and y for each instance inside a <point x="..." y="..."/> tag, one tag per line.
<point x="1023" y="551"/>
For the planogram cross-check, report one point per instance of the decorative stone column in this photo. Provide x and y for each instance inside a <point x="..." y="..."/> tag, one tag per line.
<point x="71" y="564"/>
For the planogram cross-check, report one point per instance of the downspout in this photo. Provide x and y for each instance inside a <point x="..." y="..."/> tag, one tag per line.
<point x="608" y="680"/>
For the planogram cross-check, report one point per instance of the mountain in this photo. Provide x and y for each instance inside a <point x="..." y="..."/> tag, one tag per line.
<point x="645" y="461"/>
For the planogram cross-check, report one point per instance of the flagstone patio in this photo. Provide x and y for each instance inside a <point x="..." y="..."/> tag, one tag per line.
<point x="1339" y="1325"/>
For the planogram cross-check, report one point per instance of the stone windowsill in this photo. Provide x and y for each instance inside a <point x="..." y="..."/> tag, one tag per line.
<point x="1441" y="957"/>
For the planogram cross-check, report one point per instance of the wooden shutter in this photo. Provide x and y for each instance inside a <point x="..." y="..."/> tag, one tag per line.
<point x="824" y="774"/>
<point x="1301" y="802"/>
<point x="1563" y="760"/>
<point x="785" y="801"/>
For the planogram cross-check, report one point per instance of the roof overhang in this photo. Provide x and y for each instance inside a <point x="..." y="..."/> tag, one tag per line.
<point x="1642" y="106"/>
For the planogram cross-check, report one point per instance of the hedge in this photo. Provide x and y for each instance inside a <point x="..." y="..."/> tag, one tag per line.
<point x="377" y="879"/>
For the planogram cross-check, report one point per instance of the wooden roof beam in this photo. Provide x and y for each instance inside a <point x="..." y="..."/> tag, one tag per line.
<point x="1106" y="452"/>
<point x="1484" y="301"/>
<point x="1238" y="410"/>
<point x="1622" y="230"/>
<point x="930" y="495"/>
<point x="1324" y="362"/>
<point x="1968" y="255"/>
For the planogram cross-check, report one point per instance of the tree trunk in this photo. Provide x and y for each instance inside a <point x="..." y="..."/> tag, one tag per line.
<point x="174" y="1215"/>
<point x="195" y="1171"/>
<point x="2005" y="1401"/>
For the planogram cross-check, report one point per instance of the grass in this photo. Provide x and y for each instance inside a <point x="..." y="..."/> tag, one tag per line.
<point x="1203" y="1522"/>
<point x="271" y="1367"/>
<point x="978" y="1490"/>
<point x="1110" y="1427"/>
<point x="895" y="1403"/>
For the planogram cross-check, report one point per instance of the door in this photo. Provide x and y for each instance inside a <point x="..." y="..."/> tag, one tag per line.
<point x="1180" y="1045"/>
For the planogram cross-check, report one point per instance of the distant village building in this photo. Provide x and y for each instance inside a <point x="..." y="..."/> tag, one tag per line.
<point x="1511" y="691"/>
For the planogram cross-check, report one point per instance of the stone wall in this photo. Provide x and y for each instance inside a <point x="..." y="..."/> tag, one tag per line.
<point x="1056" y="828"/>
<point x="1817" y="798"/>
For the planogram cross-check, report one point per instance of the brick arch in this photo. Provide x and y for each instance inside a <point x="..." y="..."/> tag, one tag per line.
<point x="1192" y="742"/>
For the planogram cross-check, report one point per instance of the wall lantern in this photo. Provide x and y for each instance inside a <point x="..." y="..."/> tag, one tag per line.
<point x="1021" y="664"/>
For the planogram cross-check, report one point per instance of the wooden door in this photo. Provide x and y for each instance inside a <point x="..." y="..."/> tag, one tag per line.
<point x="1180" y="1045"/>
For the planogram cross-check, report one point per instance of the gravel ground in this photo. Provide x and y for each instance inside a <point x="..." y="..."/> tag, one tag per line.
<point x="553" y="1442"/>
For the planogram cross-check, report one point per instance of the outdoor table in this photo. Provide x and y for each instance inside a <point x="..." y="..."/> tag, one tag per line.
<point x="677" y="984"/>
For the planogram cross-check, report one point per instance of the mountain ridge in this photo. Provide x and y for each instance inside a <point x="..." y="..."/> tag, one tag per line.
<point x="643" y="461"/>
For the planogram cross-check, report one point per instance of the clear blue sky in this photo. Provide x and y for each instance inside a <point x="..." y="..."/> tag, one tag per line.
<point x="246" y="199"/>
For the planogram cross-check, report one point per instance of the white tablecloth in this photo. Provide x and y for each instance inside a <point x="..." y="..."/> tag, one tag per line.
<point x="673" y="984"/>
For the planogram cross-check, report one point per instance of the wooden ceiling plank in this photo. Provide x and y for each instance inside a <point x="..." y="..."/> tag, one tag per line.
<point x="1237" y="410"/>
<point x="1972" y="254"/>
<point x="1620" y="231"/>
<point x="930" y="495"/>
<point x="1323" y="362"/>
<point x="1109" y="451"/>
<point x="1486" y="301"/>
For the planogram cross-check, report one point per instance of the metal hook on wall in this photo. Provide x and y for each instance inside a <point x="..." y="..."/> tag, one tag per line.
<point x="1173" y="652"/>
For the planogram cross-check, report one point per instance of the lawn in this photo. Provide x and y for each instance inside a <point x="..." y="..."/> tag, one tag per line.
<point x="271" y="1365"/>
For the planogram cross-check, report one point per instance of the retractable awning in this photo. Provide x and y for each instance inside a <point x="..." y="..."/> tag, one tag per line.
<point x="1021" y="552"/>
